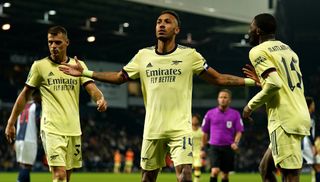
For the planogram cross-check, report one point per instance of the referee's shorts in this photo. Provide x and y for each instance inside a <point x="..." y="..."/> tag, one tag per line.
<point x="222" y="157"/>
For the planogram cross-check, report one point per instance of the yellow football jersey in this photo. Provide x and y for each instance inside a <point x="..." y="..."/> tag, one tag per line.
<point x="60" y="96"/>
<point x="166" y="83"/>
<point x="288" y="107"/>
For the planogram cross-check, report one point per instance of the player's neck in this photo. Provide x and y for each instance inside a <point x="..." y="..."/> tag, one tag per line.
<point x="60" y="59"/>
<point x="166" y="46"/>
<point x="267" y="37"/>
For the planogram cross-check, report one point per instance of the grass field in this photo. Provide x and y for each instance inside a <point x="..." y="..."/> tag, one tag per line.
<point x="109" y="177"/>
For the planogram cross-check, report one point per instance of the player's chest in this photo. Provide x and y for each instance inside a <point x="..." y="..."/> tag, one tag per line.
<point x="52" y="76"/>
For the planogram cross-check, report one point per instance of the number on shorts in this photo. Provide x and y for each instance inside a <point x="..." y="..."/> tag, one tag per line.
<point x="184" y="141"/>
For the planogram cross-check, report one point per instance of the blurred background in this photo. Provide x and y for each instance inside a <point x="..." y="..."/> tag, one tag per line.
<point x="106" y="34"/>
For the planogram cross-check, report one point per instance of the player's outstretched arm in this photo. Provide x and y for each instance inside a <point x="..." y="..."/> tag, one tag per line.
<point x="250" y="72"/>
<point x="214" y="77"/>
<point x="18" y="107"/>
<point x="108" y="77"/>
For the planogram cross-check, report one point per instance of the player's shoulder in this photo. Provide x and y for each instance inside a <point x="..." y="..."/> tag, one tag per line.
<point x="257" y="49"/>
<point x="184" y="48"/>
<point x="41" y="61"/>
<point x="147" y="49"/>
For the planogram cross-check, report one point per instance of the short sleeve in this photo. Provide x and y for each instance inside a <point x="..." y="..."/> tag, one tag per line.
<point x="199" y="63"/>
<point x="34" y="77"/>
<point x="260" y="61"/>
<point x="239" y="123"/>
<point x="206" y="124"/>
<point x="132" y="68"/>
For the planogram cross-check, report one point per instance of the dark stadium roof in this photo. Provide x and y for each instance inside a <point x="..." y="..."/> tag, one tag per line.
<point x="28" y="30"/>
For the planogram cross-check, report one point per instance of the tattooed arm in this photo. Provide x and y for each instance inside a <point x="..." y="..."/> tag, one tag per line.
<point x="214" y="77"/>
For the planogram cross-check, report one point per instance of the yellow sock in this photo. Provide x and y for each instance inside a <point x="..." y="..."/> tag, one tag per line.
<point x="197" y="173"/>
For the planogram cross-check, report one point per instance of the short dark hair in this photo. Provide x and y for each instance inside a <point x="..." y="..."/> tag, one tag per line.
<point x="227" y="91"/>
<point x="173" y="13"/>
<point x="309" y="101"/>
<point x="266" y="22"/>
<point x="55" y="30"/>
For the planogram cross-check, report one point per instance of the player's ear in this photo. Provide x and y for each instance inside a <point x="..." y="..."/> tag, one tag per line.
<point x="259" y="31"/>
<point x="177" y="30"/>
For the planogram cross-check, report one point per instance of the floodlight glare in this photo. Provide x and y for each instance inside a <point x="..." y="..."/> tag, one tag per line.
<point x="6" y="26"/>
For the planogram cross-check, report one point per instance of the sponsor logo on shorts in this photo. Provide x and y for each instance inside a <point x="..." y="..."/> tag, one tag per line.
<point x="53" y="157"/>
<point x="144" y="159"/>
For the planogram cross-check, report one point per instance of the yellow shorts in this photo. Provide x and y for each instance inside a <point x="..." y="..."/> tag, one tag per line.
<point x="286" y="149"/>
<point x="154" y="151"/>
<point x="62" y="150"/>
<point x="129" y="163"/>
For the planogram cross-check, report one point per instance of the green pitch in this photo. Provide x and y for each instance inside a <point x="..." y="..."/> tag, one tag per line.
<point x="109" y="177"/>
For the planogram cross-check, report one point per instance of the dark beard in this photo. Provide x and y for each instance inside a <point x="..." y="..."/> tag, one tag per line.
<point x="163" y="39"/>
<point x="253" y="41"/>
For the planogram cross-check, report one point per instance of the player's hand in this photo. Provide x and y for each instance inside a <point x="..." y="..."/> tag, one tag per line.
<point x="234" y="147"/>
<point x="246" y="113"/>
<point x="250" y="72"/>
<point x="314" y="150"/>
<point x="203" y="154"/>
<point x="10" y="133"/>
<point x="102" y="105"/>
<point x="72" y="69"/>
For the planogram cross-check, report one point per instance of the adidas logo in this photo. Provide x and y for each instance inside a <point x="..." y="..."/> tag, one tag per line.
<point x="50" y="74"/>
<point x="149" y="65"/>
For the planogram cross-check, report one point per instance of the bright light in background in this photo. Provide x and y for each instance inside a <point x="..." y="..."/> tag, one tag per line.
<point x="93" y="19"/>
<point x="6" y="26"/>
<point x="211" y="10"/>
<point x="246" y="36"/>
<point x="6" y="5"/>
<point x="126" y="24"/>
<point x="52" y="12"/>
<point x="91" y="38"/>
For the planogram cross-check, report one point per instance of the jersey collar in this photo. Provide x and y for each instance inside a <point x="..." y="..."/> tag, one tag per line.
<point x="156" y="50"/>
<point x="56" y="61"/>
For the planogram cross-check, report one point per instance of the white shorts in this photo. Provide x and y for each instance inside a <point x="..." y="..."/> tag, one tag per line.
<point x="307" y="152"/>
<point x="26" y="152"/>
